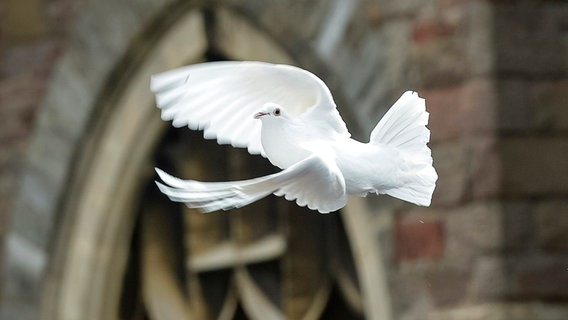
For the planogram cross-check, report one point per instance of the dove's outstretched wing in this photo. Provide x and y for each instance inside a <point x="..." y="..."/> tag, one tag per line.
<point x="314" y="182"/>
<point x="221" y="98"/>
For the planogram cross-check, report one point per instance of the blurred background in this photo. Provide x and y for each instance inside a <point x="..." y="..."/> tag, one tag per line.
<point x="86" y="235"/>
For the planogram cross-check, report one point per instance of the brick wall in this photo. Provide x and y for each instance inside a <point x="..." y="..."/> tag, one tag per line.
<point x="495" y="76"/>
<point x="531" y="46"/>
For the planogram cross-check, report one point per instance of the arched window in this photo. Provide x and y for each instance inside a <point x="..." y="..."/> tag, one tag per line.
<point x="268" y="260"/>
<point x="121" y="250"/>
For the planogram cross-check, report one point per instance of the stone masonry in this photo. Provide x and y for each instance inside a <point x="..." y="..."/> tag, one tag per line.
<point x="494" y="243"/>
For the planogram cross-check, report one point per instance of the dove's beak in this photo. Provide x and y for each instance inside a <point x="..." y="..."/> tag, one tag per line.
<point x="259" y="115"/>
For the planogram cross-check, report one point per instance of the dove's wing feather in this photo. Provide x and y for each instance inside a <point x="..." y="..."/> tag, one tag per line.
<point x="321" y="187"/>
<point x="313" y="182"/>
<point x="222" y="97"/>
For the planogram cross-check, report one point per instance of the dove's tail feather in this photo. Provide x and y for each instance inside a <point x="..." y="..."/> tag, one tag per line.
<point x="404" y="127"/>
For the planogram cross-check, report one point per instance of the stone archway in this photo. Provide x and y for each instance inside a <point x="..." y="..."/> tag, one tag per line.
<point x="271" y="260"/>
<point x="97" y="211"/>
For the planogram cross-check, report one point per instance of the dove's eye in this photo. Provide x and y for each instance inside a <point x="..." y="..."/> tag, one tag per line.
<point x="277" y="111"/>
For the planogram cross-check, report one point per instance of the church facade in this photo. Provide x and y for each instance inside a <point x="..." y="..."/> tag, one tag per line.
<point x="86" y="235"/>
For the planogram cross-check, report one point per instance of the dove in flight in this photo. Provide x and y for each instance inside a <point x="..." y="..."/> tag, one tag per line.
<point x="288" y="115"/>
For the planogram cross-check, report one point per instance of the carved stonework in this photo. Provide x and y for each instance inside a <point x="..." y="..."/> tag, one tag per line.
<point x="96" y="245"/>
<point x="269" y="260"/>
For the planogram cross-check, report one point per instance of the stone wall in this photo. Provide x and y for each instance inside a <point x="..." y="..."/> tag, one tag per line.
<point x="437" y="249"/>
<point x="494" y="76"/>
<point x="493" y="245"/>
<point x="531" y="74"/>
<point x="32" y="38"/>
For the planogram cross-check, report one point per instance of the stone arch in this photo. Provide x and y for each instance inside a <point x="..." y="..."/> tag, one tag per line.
<point x="92" y="192"/>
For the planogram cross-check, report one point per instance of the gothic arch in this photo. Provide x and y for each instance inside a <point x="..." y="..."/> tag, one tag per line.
<point x="99" y="183"/>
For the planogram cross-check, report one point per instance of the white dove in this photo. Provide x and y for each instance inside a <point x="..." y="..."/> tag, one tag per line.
<point x="288" y="115"/>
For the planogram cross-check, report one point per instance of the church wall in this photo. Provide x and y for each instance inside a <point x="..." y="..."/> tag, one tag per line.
<point x="494" y="73"/>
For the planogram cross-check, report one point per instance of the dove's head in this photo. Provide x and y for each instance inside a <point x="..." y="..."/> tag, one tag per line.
<point x="271" y="111"/>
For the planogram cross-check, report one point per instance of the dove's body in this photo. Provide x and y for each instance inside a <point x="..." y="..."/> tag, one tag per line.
<point x="289" y="141"/>
<point x="299" y="131"/>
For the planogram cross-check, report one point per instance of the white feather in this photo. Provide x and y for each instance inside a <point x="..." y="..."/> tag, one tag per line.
<point x="202" y="95"/>
<point x="404" y="127"/>
<point x="313" y="182"/>
<point x="300" y="131"/>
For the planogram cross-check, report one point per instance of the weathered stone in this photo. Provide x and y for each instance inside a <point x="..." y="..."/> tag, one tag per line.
<point x="419" y="240"/>
<point x="534" y="166"/>
<point x="550" y="109"/>
<point x="474" y="230"/>
<point x="25" y="267"/>
<point x="503" y="311"/>
<point x="551" y="220"/>
<point x="48" y="159"/>
<point x="234" y="34"/>
<point x="535" y="46"/>
<point x="430" y="30"/>
<point x="17" y="309"/>
<point x="518" y="225"/>
<point x="446" y="117"/>
<point x="24" y="20"/>
<point x="482" y="70"/>
<point x="335" y="25"/>
<point x="479" y="104"/>
<point x="303" y="19"/>
<point x="460" y="111"/>
<point x="20" y="96"/>
<point x="370" y="56"/>
<point x="485" y="168"/>
<point x="386" y="75"/>
<point x="476" y="35"/>
<point x="543" y="277"/>
<point x="429" y="68"/>
<point x="456" y="46"/>
<point x="68" y="109"/>
<point x="36" y="57"/>
<point x="451" y="163"/>
<point x="34" y="218"/>
<point x="515" y="110"/>
<point x="398" y="8"/>
<point x="490" y="281"/>
<point x="447" y="285"/>
<point x="410" y="295"/>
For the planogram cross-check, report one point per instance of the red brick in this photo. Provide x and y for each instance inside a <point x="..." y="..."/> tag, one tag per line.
<point x="473" y="229"/>
<point x="485" y="169"/>
<point x="419" y="240"/>
<point x="548" y="281"/>
<point x="467" y="170"/>
<point x="38" y="57"/>
<point x="429" y="30"/>
<point x="463" y="110"/>
<point x="21" y="97"/>
<point x="442" y="103"/>
<point x="451" y="162"/>
<point x="447" y="285"/>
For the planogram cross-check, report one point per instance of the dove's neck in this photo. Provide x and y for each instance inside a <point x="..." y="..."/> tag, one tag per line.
<point x="284" y="140"/>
